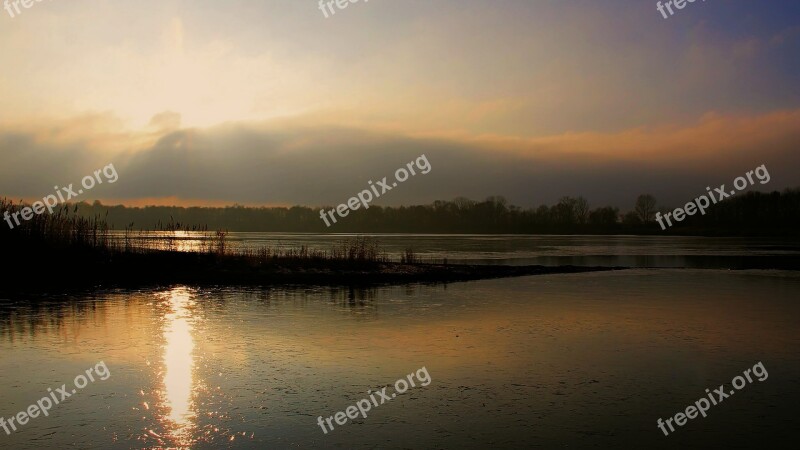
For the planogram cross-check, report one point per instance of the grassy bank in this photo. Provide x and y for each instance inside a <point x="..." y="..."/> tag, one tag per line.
<point x="65" y="250"/>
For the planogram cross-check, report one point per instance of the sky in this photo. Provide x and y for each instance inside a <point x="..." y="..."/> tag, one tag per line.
<point x="268" y="102"/>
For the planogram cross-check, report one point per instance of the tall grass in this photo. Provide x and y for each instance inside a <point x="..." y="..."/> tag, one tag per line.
<point x="62" y="228"/>
<point x="358" y="250"/>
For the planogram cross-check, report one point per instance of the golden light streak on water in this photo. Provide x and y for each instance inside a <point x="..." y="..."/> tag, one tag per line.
<point x="178" y="374"/>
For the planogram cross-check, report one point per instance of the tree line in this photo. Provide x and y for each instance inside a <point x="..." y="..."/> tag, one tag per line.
<point x="753" y="213"/>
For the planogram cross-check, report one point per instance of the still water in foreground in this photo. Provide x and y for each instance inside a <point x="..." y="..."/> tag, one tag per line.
<point x="586" y="360"/>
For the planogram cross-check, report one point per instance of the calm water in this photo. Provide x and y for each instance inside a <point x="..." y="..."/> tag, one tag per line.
<point x="628" y="251"/>
<point x="560" y="361"/>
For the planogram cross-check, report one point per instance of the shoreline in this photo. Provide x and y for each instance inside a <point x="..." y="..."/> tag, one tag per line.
<point x="136" y="270"/>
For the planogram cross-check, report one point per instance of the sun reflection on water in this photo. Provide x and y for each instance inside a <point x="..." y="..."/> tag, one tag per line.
<point x="178" y="363"/>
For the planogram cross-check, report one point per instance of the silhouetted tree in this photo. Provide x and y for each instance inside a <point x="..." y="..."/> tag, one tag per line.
<point x="646" y="208"/>
<point x="564" y="211"/>
<point x="581" y="210"/>
<point x="604" y="217"/>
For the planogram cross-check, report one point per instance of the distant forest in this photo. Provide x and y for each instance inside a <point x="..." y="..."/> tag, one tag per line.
<point x="750" y="214"/>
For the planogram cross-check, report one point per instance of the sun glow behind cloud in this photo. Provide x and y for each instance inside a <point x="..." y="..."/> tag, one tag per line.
<point x="269" y="87"/>
<point x="206" y="84"/>
<point x="414" y="66"/>
<point x="162" y="65"/>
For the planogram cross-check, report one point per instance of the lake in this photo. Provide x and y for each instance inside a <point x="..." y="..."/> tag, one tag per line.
<point x="628" y="251"/>
<point x="571" y="361"/>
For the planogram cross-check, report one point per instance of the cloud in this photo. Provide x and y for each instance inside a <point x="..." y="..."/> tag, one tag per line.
<point x="415" y="65"/>
<point x="302" y="162"/>
<point x="166" y="121"/>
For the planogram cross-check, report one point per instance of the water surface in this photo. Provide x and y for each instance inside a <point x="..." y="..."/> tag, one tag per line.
<point x="549" y="250"/>
<point x="577" y="361"/>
